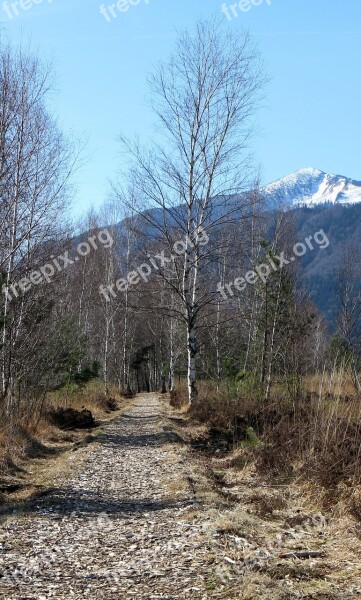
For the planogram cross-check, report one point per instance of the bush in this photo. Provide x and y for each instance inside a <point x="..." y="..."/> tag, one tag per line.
<point x="70" y="418"/>
<point x="176" y="399"/>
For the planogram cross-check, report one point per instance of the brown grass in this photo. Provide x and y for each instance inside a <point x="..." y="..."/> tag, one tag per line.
<point x="91" y="397"/>
<point x="34" y="436"/>
<point x="258" y="515"/>
<point x="179" y="397"/>
<point x="316" y="438"/>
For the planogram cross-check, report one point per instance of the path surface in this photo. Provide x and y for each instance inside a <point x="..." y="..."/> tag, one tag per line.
<point x="117" y="528"/>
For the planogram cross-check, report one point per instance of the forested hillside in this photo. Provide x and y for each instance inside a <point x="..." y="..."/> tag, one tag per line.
<point x="342" y="225"/>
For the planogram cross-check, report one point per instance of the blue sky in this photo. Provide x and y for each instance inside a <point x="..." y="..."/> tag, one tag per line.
<point x="311" y="48"/>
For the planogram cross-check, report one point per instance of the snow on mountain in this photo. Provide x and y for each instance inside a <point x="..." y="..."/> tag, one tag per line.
<point x="309" y="187"/>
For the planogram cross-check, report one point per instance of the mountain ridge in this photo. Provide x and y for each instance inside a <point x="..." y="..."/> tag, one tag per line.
<point x="312" y="187"/>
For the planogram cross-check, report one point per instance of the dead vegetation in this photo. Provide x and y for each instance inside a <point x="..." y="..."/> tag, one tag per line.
<point x="317" y="438"/>
<point x="286" y="489"/>
<point x="70" y="418"/>
<point x="71" y="414"/>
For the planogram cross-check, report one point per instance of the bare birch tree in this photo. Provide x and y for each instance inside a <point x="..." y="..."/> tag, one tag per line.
<point x="192" y="181"/>
<point x="35" y="166"/>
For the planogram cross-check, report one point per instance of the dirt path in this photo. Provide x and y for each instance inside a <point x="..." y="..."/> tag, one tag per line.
<point x="117" y="527"/>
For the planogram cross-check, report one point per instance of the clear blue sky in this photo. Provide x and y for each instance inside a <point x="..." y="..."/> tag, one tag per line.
<point x="311" y="49"/>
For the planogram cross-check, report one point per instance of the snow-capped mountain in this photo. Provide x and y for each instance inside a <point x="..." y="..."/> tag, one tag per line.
<point x="309" y="187"/>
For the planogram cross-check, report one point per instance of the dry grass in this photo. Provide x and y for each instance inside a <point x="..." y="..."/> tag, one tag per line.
<point x="265" y="522"/>
<point x="335" y="384"/>
<point x="264" y="519"/>
<point x="254" y="516"/>
<point x="35" y="437"/>
<point x="179" y="397"/>
<point x="91" y="397"/>
<point x="290" y="481"/>
<point x="316" y="439"/>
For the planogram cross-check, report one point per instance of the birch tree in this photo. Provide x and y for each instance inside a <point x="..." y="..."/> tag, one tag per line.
<point x="35" y="166"/>
<point x="192" y="179"/>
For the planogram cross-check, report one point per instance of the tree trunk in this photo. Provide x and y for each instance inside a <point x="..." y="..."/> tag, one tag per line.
<point x="171" y="363"/>
<point x="192" y="373"/>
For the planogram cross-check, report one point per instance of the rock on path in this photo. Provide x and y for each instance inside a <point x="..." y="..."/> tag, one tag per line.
<point x="117" y="527"/>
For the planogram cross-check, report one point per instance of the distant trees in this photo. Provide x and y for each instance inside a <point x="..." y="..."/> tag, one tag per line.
<point x="348" y="301"/>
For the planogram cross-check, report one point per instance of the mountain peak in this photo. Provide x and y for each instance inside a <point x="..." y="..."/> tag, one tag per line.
<point x="310" y="171"/>
<point x="310" y="186"/>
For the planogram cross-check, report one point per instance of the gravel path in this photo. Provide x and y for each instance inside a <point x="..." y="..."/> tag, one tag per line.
<point x="119" y="527"/>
